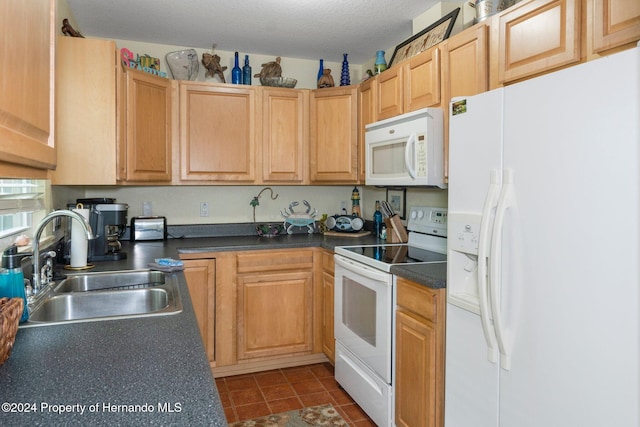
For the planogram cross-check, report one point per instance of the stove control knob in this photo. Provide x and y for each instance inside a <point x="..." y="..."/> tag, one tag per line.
<point x="420" y="214"/>
<point x="414" y="214"/>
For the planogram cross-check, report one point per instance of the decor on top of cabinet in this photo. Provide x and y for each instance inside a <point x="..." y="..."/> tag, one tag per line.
<point x="212" y="63"/>
<point x="265" y="230"/>
<point x="271" y="75"/>
<point x="381" y="63"/>
<point x="345" y="80"/>
<point x="430" y="36"/>
<point x="299" y="219"/>
<point x="68" y="30"/>
<point x="145" y="63"/>
<point x="326" y="80"/>
<point x="183" y="64"/>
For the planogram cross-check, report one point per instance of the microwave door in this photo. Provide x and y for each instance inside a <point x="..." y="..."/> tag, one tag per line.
<point x="386" y="162"/>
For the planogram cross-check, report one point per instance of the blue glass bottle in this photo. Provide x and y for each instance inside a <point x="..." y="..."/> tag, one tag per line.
<point x="12" y="279"/>
<point x="377" y="220"/>
<point x="236" y="73"/>
<point x="345" y="79"/>
<point x="246" y="71"/>
<point x="320" y="70"/>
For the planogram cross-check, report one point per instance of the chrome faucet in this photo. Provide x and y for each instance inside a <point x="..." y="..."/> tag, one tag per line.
<point x="37" y="283"/>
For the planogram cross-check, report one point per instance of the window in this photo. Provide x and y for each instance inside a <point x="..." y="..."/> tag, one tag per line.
<point x="22" y="203"/>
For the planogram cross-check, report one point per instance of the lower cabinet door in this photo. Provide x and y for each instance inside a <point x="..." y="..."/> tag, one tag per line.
<point x="275" y="314"/>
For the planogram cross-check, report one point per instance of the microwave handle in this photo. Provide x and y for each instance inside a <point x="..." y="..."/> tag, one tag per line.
<point x="408" y="160"/>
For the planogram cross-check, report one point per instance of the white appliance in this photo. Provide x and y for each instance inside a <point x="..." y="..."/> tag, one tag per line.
<point x="543" y="314"/>
<point x="406" y="150"/>
<point x="364" y="305"/>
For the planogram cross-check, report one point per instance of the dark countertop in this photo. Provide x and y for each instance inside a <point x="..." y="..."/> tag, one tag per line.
<point x="430" y="275"/>
<point x="157" y="363"/>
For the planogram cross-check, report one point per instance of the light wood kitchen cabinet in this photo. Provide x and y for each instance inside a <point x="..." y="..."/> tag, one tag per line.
<point x="200" y="277"/>
<point x="27" y="76"/>
<point x="390" y="94"/>
<point x="367" y="91"/>
<point x="409" y="86"/>
<point x="264" y="307"/>
<point x="285" y="124"/>
<point x="86" y="121"/>
<point x="150" y="102"/>
<point x="275" y="303"/>
<point x="537" y="37"/>
<point x="219" y="131"/>
<point x="420" y="352"/>
<point x="612" y="24"/>
<point x="328" y="336"/>
<point x="334" y="135"/>
<point x="465" y="71"/>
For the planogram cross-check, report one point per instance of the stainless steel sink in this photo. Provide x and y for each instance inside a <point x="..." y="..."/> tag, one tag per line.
<point x="107" y="296"/>
<point x="110" y="280"/>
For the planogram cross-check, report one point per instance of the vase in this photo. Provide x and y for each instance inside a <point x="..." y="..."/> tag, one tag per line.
<point x="381" y="63"/>
<point x="236" y="72"/>
<point x="246" y="71"/>
<point x="345" y="80"/>
<point x="320" y="70"/>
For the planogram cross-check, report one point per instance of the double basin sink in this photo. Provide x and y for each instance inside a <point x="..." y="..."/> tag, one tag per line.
<point x="107" y="296"/>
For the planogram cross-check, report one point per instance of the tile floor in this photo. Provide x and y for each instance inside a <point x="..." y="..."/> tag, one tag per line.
<point x="255" y="395"/>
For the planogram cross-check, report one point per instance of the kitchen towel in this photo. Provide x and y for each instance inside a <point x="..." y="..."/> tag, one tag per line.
<point x="79" y="242"/>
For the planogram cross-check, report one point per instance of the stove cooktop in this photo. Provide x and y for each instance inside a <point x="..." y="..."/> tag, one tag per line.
<point x="384" y="256"/>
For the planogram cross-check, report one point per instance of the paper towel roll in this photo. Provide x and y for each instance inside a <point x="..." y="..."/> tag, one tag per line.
<point x="79" y="242"/>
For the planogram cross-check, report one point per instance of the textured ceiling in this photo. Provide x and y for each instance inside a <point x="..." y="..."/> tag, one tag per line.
<point x="289" y="28"/>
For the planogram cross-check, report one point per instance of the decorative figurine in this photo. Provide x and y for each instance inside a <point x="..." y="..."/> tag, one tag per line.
<point x="270" y="69"/>
<point x="367" y="75"/>
<point x="345" y="79"/>
<point x="299" y="219"/>
<point x="326" y="80"/>
<point x="68" y="30"/>
<point x="212" y="64"/>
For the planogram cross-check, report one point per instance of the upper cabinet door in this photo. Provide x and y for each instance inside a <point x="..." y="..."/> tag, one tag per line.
<point x="422" y="80"/>
<point x="389" y="98"/>
<point x="537" y="37"/>
<point x="612" y="23"/>
<point x="218" y="132"/>
<point x="27" y="77"/>
<point x="285" y="134"/>
<point x="149" y="106"/>
<point x="334" y="135"/>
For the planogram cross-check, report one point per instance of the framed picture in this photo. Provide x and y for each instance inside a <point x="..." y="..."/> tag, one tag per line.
<point x="396" y="197"/>
<point x="430" y="36"/>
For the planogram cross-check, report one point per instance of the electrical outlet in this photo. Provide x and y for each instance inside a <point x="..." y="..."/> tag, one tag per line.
<point x="147" y="208"/>
<point x="343" y="207"/>
<point x="204" y="209"/>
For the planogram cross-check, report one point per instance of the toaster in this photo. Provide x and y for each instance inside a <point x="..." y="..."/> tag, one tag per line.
<point x="148" y="228"/>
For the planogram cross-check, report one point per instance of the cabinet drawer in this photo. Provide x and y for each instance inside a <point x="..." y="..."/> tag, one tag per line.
<point x="275" y="260"/>
<point x="419" y="299"/>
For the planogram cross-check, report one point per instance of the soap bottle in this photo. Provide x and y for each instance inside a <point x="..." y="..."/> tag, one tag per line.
<point x="12" y="279"/>
<point x="246" y="71"/>
<point x="236" y="72"/>
<point x="377" y="220"/>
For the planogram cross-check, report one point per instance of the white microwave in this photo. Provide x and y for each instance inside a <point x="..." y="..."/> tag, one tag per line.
<point x="406" y="150"/>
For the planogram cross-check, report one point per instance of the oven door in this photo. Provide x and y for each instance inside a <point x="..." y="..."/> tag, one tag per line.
<point x="363" y="313"/>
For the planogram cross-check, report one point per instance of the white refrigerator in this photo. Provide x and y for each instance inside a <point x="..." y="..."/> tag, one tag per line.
<point x="543" y="277"/>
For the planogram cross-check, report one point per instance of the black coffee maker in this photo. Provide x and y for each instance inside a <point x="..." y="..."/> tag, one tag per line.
<point x="108" y="221"/>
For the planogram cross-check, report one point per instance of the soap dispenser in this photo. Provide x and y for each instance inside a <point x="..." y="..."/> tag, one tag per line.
<point x="12" y="279"/>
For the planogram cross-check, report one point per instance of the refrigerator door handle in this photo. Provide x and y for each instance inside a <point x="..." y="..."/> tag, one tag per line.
<point x="495" y="273"/>
<point x="483" y="256"/>
<point x="408" y="159"/>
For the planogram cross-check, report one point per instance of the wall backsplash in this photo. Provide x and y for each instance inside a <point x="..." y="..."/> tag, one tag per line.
<point x="230" y="204"/>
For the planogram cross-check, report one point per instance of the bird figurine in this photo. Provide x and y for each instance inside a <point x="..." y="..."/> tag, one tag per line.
<point x="326" y="80"/>
<point x="68" y="30"/>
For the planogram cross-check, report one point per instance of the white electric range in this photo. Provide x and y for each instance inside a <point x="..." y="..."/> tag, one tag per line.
<point x="364" y="304"/>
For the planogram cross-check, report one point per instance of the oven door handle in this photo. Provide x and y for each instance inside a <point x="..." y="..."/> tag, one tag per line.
<point x="361" y="269"/>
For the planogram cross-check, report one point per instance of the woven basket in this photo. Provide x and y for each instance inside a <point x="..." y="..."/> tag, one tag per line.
<point x="10" y="313"/>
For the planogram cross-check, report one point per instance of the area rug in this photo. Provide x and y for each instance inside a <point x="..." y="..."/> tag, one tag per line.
<point x="323" y="415"/>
